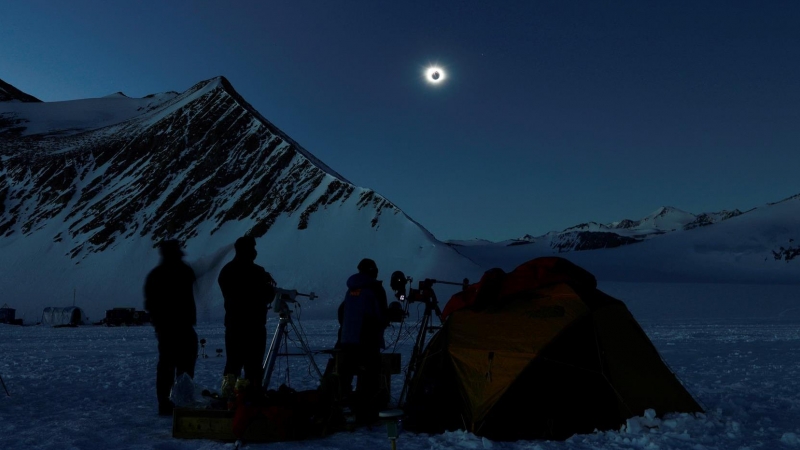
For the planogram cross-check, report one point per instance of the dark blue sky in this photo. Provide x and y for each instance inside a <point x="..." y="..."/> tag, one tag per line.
<point x="553" y="113"/>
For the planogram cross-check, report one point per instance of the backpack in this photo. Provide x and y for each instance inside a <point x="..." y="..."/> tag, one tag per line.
<point x="361" y="318"/>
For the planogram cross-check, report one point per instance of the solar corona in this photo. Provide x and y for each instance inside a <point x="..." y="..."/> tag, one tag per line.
<point x="435" y="75"/>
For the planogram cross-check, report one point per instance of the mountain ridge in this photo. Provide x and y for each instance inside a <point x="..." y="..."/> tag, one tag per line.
<point x="9" y="93"/>
<point x="595" y="235"/>
<point x="125" y="157"/>
<point x="88" y="187"/>
<point x="759" y="245"/>
<point x="95" y="183"/>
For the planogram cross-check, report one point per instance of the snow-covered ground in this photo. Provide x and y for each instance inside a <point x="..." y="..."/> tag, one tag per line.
<point x="94" y="387"/>
<point x="75" y="116"/>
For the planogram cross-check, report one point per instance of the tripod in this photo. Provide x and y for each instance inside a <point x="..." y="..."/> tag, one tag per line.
<point x="419" y="344"/>
<point x="425" y="294"/>
<point x="283" y="297"/>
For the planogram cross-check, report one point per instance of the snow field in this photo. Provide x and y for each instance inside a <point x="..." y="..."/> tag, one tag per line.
<point x="94" y="387"/>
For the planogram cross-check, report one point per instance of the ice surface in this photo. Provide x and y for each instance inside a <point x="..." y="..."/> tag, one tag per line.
<point x="94" y="388"/>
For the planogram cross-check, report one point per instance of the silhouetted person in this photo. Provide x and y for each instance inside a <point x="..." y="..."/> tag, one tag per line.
<point x="169" y="298"/>
<point x="363" y="321"/>
<point x="247" y="289"/>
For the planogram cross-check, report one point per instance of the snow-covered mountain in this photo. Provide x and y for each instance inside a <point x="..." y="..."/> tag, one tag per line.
<point x="88" y="187"/>
<point x="594" y="235"/>
<point x="9" y="93"/>
<point x="761" y="245"/>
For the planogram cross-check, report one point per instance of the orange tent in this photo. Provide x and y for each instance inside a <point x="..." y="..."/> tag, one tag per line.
<point x="539" y="353"/>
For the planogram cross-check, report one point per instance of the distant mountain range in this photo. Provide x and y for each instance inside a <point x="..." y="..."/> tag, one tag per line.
<point x="761" y="245"/>
<point x="593" y="235"/>
<point x="88" y="187"/>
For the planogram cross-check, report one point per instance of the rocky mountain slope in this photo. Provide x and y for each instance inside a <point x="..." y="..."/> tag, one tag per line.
<point x="87" y="188"/>
<point x="9" y="93"/>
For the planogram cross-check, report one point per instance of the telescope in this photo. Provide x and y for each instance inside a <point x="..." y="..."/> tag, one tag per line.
<point x="280" y="303"/>
<point x="398" y="284"/>
<point x="283" y="297"/>
<point x="424" y="292"/>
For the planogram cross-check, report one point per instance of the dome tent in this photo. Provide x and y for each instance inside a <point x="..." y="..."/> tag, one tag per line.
<point x="68" y="316"/>
<point x="539" y="353"/>
<point x="7" y="314"/>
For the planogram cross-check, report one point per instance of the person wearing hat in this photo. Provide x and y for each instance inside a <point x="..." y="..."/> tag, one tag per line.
<point x="362" y="316"/>
<point x="169" y="298"/>
<point x="247" y="289"/>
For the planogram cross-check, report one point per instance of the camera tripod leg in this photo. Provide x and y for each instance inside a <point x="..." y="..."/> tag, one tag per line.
<point x="306" y="350"/>
<point x="272" y="353"/>
<point x="419" y="346"/>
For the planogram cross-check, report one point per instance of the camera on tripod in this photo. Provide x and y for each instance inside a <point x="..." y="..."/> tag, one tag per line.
<point x="283" y="297"/>
<point x="203" y="349"/>
<point x="277" y="346"/>
<point x="424" y="292"/>
<point x="398" y="284"/>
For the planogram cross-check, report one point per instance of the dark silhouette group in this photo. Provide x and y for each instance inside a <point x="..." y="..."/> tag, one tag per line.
<point x="248" y="289"/>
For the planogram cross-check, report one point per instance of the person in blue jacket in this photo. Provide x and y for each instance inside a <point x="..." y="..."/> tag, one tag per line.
<point x="362" y="316"/>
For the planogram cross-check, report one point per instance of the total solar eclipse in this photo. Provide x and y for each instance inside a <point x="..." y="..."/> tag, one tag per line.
<point x="435" y="75"/>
